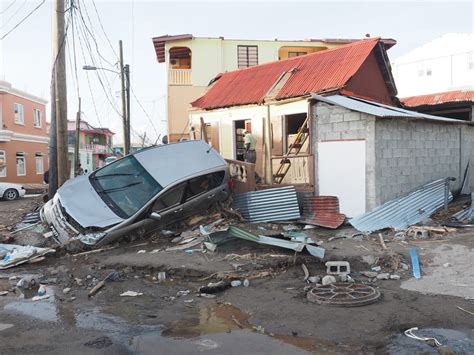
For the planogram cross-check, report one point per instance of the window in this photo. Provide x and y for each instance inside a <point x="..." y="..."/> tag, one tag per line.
<point x="429" y="72"/>
<point x="39" y="163"/>
<point x="19" y="114"/>
<point x="20" y="164"/>
<point x="3" y="164"/>
<point x="296" y="54"/>
<point x="204" y="183"/>
<point x="247" y="56"/>
<point x="37" y="118"/>
<point x="470" y="61"/>
<point x="170" y="199"/>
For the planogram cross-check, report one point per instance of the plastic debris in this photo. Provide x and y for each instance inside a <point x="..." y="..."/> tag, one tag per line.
<point x="39" y="298"/>
<point x="131" y="294"/>
<point x="415" y="263"/>
<point x="41" y="290"/>
<point x="236" y="283"/>
<point x="18" y="254"/>
<point x="430" y="341"/>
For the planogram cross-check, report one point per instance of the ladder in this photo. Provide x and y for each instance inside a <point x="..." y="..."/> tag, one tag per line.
<point x="293" y="149"/>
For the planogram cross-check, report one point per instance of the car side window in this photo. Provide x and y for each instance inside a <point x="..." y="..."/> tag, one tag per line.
<point x="169" y="199"/>
<point x="204" y="183"/>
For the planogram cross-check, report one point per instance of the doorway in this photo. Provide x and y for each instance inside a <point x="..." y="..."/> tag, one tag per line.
<point x="239" y="129"/>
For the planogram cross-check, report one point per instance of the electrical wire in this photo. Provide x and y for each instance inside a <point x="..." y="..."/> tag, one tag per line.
<point x="6" y="9"/>
<point x="6" y="22"/>
<point x="144" y="111"/>
<point x="23" y="20"/>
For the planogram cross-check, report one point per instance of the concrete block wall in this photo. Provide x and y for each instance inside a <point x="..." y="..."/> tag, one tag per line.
<point x="410" y="153"/>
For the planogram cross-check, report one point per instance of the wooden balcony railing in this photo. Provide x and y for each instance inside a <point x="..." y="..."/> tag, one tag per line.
<point x="179" y="77"/>
<point x="243" y="175"/>
<point x="300" y="169"/>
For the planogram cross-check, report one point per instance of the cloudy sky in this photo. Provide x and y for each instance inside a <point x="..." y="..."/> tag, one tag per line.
<point x="25" y="53"/>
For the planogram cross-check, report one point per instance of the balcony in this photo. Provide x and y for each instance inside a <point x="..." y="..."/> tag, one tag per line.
<point x="179" y="77"/>
<point x="95" y="148"/>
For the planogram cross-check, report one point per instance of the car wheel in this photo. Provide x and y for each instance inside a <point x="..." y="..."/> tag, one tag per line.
<point x="10" y="194"/>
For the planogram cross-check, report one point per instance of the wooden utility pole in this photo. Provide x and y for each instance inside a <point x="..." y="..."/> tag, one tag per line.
<point x="126" y="133"/>
<point x="77" y="141"/>
<point x="59" y="53"/>
<point x="53" y="157"/>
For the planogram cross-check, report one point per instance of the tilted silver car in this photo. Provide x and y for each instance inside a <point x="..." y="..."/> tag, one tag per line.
<point x="144" y="191"/>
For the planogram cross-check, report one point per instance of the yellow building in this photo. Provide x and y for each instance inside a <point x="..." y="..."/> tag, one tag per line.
<point x="192" y="62"/>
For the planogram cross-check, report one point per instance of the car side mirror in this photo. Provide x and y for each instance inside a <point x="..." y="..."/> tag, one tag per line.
<point x="155" y="216"/>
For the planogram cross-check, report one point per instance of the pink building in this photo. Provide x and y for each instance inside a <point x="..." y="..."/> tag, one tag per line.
<point x="23" y="136"/>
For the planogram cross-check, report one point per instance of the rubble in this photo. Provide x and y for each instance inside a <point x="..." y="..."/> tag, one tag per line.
<point x="328" y="280"/>
<point x="18" y="254"/>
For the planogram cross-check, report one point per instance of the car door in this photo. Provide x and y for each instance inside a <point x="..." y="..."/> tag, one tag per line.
<point x="169" y="205"/>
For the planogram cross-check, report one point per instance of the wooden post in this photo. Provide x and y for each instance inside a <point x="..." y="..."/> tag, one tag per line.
<point x="267" y="149"/>
<point x="59" y="54"/>
<point x="126" y="134"/>
<point x="203" y="131"/>
<point x="77" y="142"/>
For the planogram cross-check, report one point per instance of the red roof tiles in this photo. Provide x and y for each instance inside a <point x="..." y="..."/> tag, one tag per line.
<point x="439" y="98"/>
<point x="317" y="72"/>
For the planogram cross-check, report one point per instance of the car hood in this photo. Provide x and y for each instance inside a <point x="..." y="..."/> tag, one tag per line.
<point x="84" y="205"/>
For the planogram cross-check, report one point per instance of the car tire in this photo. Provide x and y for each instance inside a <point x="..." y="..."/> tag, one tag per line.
<point x="10" y="194"/>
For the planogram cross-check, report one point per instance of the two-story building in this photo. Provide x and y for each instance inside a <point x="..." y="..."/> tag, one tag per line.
<point x="192" y="62"/>
<point x="95" y="145"/>
<point x="23" y="136"/>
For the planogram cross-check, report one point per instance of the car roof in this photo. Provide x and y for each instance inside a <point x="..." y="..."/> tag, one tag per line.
<point x="177" y="161"/>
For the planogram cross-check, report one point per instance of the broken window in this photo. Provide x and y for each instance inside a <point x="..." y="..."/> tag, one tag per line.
<point x="39" y="163"/>
<point x="204" y="183"/>
<point x="3" y="164"/>
<point x="20" y="164"/>
<point x="169" y="199"/>
<point x="247" y="56"/>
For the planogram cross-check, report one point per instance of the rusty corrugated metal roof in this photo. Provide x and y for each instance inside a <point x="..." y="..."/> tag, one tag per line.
<point x="322" y="211"/>
<point x="318" y="72"/>
<point x="439" y="98"/>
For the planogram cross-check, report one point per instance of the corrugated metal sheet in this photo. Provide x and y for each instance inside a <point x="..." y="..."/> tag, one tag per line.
<point x="327" y="70"/>
<point x="439" y="98"/>
<point x="377" y="109"/>
<point x="404" y="211"/>
<point x="279" y="204"/>
<point x="322" y="211"/>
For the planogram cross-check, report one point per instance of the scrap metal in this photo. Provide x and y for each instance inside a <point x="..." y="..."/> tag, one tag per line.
<point x="278" y="204"/>
<point x="322" y="211"/>
<point x="344" y="294"/>
<point x="405" y="211"/>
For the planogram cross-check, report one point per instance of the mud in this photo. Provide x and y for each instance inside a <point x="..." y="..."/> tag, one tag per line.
<point x="271" y="315"/>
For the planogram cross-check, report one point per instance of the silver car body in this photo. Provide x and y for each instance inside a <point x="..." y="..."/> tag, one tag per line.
<point x="77" y="211"/>
<point x="4" y="186"/>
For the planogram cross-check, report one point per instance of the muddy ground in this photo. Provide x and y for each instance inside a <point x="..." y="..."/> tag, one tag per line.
<point x="270" y="316"/>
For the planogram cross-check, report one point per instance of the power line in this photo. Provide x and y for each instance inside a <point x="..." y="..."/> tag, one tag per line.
<point x="146" y="114"/>
<point x="103" y="30"/>
<point x="23" y="20"/>
<point x="22" y="5"/>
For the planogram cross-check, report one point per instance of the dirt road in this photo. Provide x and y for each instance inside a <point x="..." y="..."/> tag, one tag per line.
<point x="270" y="316"/>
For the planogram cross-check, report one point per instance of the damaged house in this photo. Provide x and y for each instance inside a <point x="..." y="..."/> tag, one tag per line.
<point x="330" y="123"/>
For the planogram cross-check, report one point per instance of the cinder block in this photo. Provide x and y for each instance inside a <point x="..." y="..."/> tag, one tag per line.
<point x="352" y="116"/>
<point x="338" y="267"/>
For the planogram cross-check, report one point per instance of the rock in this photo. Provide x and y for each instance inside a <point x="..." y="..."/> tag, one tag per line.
<point x="246" y="283"/>
<point x="394" y="277"/>
<point x="314" y="279"/>
<point x="89" y="277"/>
<point x="369" y="274"/>
<point x="54" y="272"/>
<point x="328" y="280"/>
<point x="404" y="266"/>
<point x="67" y="290"/>
<point x="383" y="276"/>
<point x="447" y="265"/>
<point x="343" y="277"/>
<point x="79" y="282"/>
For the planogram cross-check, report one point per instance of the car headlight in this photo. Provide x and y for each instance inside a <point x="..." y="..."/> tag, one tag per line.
<point x="90" y="238"/>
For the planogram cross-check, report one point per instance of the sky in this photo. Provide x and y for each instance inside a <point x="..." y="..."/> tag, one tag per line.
<point x="26" y="53"/>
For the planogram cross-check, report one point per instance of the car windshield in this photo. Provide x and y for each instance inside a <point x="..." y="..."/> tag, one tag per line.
<point x="125" y="186"/>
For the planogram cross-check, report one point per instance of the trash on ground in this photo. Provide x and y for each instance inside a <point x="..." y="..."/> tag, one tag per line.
<point x="405" y="211"/>
<point x="466" y="311"/>
<point x="298" y="246"/>
<point x="113" y="276"/>
<point x="322" y="211"/>
<point x="39" y="298"/>
<point x="277" y="204"/>
<point x="415" y="263"/>
<point x="131" y="294"/>
<point x="328" y="280"/>
<point x="343" y="294"/>
<point x="161" y="276"/>
<point x="430" y="341"/>
<point x="26" y="282"/>
<point x="338" y="267"/>
<point x="41" y="290"/>
<point x="3" y="293"/>
<point x="215" y="287"/>
<point x="18" y="254"/>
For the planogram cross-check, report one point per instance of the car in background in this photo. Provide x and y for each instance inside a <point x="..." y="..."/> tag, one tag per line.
<point x="144" y="191"/>
<point x="10" y="191"/>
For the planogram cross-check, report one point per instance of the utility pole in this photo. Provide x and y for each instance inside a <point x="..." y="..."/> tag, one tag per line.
<point x="59" y="53"/>
<point x="126" y="71"/>
<point x="77" y="141"/>
<point x="126" y="132"/>
<point x="53" y="157"/>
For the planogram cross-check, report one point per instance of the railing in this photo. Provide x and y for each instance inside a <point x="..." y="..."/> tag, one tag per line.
<point x="300" y="169"/>
<point x="243" y="175"/>
<point x="179" y="77"/>
<point x="95" y="148"/>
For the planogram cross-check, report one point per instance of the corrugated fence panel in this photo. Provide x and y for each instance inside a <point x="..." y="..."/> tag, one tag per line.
<point x="279" y="204"/>
<point x="404" y="211"/>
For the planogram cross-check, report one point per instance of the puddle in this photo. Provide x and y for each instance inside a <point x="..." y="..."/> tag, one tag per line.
<point x="453" y="341"/>
<point x="45" y="309"/>
<point x="220" y="318"/>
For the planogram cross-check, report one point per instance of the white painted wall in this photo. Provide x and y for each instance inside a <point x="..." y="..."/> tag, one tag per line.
<point x="444" y="64"/>
<point x="341" y="172"/>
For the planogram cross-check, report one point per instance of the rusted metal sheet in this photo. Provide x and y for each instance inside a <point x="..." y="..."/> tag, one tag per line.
<point x="268" y="205"/>
<point x="405" y="211"/>
<point x="439" y="98"/>
<point x="317" y="72"/>
<point x="322" y="211"/>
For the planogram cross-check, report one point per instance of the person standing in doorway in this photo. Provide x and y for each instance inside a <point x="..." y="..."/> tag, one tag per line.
<point x="250" y="155"/>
